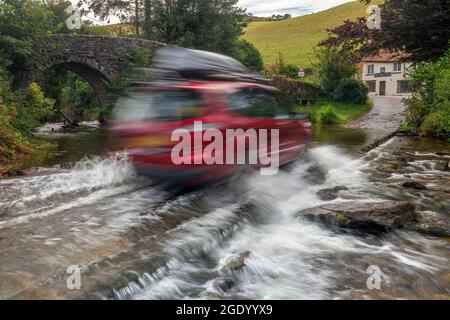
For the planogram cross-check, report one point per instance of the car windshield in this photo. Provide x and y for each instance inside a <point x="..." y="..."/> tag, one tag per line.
<point x="168" y="105"/>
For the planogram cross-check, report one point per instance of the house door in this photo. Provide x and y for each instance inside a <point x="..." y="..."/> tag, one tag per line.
<point x="382" y="88"/>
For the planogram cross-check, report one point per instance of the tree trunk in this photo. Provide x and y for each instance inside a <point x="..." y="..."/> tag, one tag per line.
<point x="136" y="16"/>
<point x="148" y="19"/>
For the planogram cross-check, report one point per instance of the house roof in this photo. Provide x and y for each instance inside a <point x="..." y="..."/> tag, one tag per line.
<point x="385" y="56"/>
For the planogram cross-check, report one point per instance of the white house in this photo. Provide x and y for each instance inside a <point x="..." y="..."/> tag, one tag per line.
<point x="385" y="74"/>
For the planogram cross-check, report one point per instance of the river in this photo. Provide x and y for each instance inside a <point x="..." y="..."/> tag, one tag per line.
<point x="133" y="240"/>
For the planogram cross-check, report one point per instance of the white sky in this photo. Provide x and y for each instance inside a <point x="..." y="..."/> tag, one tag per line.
<point x="266" y="8"/>
<point x="294" y="7"/>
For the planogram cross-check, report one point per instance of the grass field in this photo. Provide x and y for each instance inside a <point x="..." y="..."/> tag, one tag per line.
<point x="296" y="38"/>
<point x="345" y="111"/>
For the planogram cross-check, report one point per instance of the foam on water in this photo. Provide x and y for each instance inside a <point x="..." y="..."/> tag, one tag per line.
<point x="289" y="258"/>
<point x="87" y="182"/>
<point x="101" y="199"/>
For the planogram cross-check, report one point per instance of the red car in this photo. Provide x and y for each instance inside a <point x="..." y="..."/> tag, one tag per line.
<point x="146" y="119"/>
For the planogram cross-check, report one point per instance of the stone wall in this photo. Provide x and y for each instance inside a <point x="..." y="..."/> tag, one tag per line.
<point x="97" y="59"/>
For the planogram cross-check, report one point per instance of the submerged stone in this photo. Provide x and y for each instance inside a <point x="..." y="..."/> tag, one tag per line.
<point x="236" y="263"/>
<point x="414" y="185"/>
<point x="330" y="193"/>
<point x="431" y="223"/>
<point x="376" y="216"/>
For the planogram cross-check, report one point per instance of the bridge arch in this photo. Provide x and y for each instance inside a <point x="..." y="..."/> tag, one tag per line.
<point x="96" y="59"/>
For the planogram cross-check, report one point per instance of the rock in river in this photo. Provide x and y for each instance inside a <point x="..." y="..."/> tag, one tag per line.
<point x="236" y="263"/>
<point x="331" y="193"/>
<point x="431" y="223"/>
<point x="442" y="166"/>
<point x="223" y="284"/>
<point x="414" y="185"/>
<point x="375" y="216"/>
<point x="14" y="173"/>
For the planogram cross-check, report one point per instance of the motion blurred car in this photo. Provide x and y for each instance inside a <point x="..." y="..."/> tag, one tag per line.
<point x="221" y="94"/>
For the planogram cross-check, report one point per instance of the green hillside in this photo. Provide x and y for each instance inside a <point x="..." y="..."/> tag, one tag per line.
<point x="296" y="38"/>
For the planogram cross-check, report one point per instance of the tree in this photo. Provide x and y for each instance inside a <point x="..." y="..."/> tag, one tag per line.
<point x="19" y="20"/>
<point x="128" y="11"/>
<point x="420" y="28"/>
<point x="201" y="24"/>
<point x="429" y="108"/>
<point x="248" y="55"/>
<point x="213" y="25"/>
<point x="59" y="17"/>
<point x="281" y="68"/>
<point x="148" y="18"/>
<point x="333" y="67"/>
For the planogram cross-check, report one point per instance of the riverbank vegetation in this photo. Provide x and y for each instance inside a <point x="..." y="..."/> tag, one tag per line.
<point x="428" y="110"/>
<point x="332" y="93"/>
<point x="425" y="43"/>
<point x="20" y="113"/>
<point x="61" y="95"/>
<point x="332" y="112"/>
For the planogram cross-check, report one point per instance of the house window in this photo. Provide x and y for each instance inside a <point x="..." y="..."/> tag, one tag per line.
<point x="371" y="85"/>
<point x="404" y="86"/>
<point x="370" y="69"/>
<point x="397" y="66"/>
<point x="382" y="70"/>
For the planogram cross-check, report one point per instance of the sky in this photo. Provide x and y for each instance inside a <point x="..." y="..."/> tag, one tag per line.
<point x="264" y="8"/>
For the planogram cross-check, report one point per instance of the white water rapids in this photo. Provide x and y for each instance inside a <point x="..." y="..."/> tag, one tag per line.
<point x="136" y="241"/>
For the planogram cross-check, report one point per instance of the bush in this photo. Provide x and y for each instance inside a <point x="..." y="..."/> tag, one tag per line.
<point x="417" y="109"/>
<point x="328" y="116"/>
<point x="312" y="116"/>
<point x="281" y="68"/>
<point x="31" y="108"/>
<point x="296" y="90"/>
<point x="289" y="70"/>
<point x="333" y="67"/>
<point x="351" y="91"/>
<point x="10" y="145"/>
<point x="428" y="110"/>
<point x="437" y="124"/>
<point x="248" y="55"/>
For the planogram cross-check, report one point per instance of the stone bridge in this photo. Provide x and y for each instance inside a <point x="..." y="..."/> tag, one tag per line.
<point x="97" y="59"/>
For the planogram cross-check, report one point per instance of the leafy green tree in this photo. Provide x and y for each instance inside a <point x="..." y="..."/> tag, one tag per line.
<point x="21" y="19"/>
<point x="31" y="107"/>
<point x="420" y="28"/>
<point x="59" y="14"/>
<point x="200" y="24"/>
<point x="351" y="91"/>
<point x="79" y="96"/>
<point x="248" y="55"/>
<point x="428" y="110"/>
<point x="128" y="11"/>
<point x="281" y="68"/>
<point x="333" y="66"/>
<point x="213" y="25"/>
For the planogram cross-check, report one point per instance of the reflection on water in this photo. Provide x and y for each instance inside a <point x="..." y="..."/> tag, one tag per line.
<point x="349" y="139"/>
<point x="72" y="144"/>
<point x="135" y="241"/>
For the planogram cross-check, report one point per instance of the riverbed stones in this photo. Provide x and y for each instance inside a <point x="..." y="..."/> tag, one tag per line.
<point x="67" y="165"/>
<point x="430" y="223"/>
<point x="330" y="193"/>
<point x="414" y="185"/>
<point x="223" y="284"/>
<point x="442" y="166"/>
<point x="316" y="175"/>
<point x="236" y="263"/>
<point x="14" y="173"/>
<point x="376" y="216"/>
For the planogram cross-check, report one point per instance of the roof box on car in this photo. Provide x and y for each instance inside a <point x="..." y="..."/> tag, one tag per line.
<point x="202" y="65"/>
